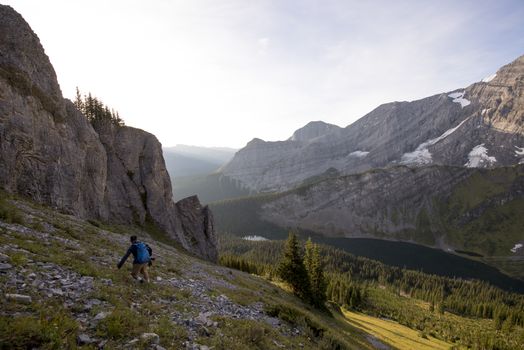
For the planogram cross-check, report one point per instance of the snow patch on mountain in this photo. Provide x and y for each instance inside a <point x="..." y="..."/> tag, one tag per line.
<point x="519" y="151"/>
<point x="516" y="247"/>
<point x="358" y="154"/>
<point x="254" y="238"/>
<point x="421" y="154"/>
<point x="489" y="78"/>
<point x="458" y="97"/>
<point x="478" y="157"/>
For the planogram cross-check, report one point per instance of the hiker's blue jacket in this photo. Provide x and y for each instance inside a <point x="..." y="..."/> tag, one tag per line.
<point x="133" y="250"/>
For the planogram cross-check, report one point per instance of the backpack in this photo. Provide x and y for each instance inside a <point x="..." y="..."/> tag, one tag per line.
<point x="142" y="255"/>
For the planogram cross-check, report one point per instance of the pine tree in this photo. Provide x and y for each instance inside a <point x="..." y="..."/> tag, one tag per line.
<point x="317" y="282"/>
<point x="98" y="114"/>
<point x="291" y="268"/>
<point x="308" y="256"/>
<point x="79" y="103"/>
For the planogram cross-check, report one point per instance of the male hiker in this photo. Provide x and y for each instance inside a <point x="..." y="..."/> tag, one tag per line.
<point x="142" y="258"/>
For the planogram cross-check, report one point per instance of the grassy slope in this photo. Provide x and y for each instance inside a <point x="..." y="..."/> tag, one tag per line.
<point x="393" y="333"/>
<point x="32" y="235"/>
<point x="495" y="223"/>
<point x="416" y="315"/>
<point x="495" y="229"/>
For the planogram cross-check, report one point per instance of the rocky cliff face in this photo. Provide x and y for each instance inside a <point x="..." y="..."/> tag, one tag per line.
<point x="50" y="152"/>
<point x="480" y="126"/>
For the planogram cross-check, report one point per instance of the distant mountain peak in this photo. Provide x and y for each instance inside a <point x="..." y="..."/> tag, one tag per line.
<point x="480" y="125"/>
<point x="313" y="130"/>
<point x="255" y="141"/>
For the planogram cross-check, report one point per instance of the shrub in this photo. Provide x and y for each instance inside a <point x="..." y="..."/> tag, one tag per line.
<point x="169" y="333"/>
<point x="57" y="331"/>
<point x="9" y="213"/>
<point x="121" y="323"/>
<point x="37" y="226"/>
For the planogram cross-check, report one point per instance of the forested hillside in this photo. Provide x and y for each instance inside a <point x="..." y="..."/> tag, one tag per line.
<point x="465" y="312"/>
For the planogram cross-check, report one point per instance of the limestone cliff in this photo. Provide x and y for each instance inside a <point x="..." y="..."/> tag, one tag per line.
<point x="51" y="153"/>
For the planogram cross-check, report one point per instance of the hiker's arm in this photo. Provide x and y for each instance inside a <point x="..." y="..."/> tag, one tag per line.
<point x="124" y="258"/>
<point x="149" y="250"/>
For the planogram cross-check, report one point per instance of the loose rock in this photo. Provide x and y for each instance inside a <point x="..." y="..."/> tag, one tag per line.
<point x="4" y="266"/>
<point x="151" y="338"/>
<point x="24" y="299"/>
<point x="83" y="338"/>
<point x="101" y="315"/>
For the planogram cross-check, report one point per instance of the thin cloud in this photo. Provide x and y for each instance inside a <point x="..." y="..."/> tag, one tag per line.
<point x="218" y="73"/>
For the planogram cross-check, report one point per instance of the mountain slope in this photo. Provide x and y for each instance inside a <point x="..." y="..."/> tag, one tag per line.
<point x="451" y="208"/>
<point x="480" y="126"/>
<point x="61" y="289"/>
<point x="50" y="152"/>
<point x="64" y="268"/>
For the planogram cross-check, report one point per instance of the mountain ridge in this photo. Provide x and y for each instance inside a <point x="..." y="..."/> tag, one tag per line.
<point x="487" y="115"/>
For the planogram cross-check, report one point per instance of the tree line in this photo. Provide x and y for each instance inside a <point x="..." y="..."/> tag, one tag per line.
<point x="98" y="114"/>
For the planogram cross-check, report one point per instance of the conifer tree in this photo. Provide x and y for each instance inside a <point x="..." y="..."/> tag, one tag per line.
<point x="79" y="103"/>
<point x="292" y="270"/>
<point x="317" y="282"/>
<point x="98" y="114"/>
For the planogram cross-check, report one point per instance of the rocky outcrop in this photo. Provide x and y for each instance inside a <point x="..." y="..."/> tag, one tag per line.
<point x="50" y="152"/>
<point x="312" y="130"/>
<point x="480" y="126"/>
<point x="197" y="225"/>
<point x="502" y="98"/>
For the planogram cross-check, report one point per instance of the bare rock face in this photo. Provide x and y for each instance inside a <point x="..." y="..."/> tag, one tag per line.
<point x="197" y="226"/>
<point x="44" y="155"/>
<point x="381" y="202"/>
<point x="139" y="186"/>
<point x="502" y="98"/>
<point x="51" y="153"/>
<point x="480" y="126"/>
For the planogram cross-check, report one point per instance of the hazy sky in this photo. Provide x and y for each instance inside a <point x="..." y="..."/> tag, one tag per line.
<point x="218" y="73"/>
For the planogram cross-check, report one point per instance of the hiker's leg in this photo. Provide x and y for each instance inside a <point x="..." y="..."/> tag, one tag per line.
<point x="145" y="272"/>
<point x="136" y="270"/>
